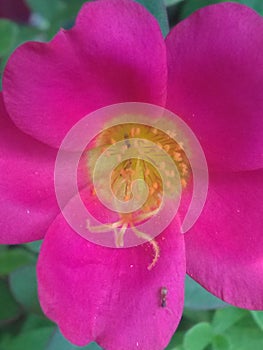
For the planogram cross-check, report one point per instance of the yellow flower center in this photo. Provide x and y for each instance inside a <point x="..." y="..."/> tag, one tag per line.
<point x="146" y="168"/>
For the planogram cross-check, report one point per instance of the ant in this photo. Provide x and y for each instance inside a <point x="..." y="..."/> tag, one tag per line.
<point x="164" y="292"/>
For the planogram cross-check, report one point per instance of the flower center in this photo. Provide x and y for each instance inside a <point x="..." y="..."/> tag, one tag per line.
<point x="140" y="153"/>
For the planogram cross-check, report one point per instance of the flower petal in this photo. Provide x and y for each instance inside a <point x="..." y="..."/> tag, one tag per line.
<point x="215" y="83"/>
<point x="115" y="53"/>
<point x="224" y="249"/>
<point x="108" y="294"/>
<point x="27" y="200"/>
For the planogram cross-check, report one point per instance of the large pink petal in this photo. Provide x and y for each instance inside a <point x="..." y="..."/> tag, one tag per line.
<point x="108" y="294"/>
<point x="224" y="250"/>
<point x="215" y="83"/>
<point x="115" y="53"/>
<point x="27" y="196"/>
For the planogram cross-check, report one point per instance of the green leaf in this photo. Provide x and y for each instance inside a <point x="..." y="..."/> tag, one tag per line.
<point x="9" y="309"/>
<point x="3" y="247"/>
<point x="196" y="316"/>
<point x="258" y="318"/>
<point x="226" y="318"/>
<point x="32" y="340"/>
<point x="11" y="259"/>
<point x="244" y="338"/>
<point x="189" y="6"/>
<point x="158" y="10"/>
<point x="34" y="321"/>
<point x="70" y="11"/>
<point x="220" y="342"/>
<point x="197" y="298"/>
<point x="47" y="8"/>
<point x="257" y="5"/>
<point x="8" y="33"/>
<point x="172" y="2"/>
<point x="176" y="340"/>
<point x="23" y="285"/>
<point x="198" y="337"/>
<point x="58" y="342"/>
<point x="34" y="246"/>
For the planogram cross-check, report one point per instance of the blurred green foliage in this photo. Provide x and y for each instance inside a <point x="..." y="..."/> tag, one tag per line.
<point x="207" y="323"/>
<point x="189" y="6"/>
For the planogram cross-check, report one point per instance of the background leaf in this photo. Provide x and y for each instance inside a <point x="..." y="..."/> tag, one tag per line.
<point x="172" y="2"/>
<point x="244" y="335"/>
<point x="48" y="8"/>
<point x="189" y="6"/>
<point x="58" y="342"/>
<point x="8" y="34"/>
<point x="220" y="342"/>
<point x="11" y="259"/>
<point x="158" y="10"/>
<point x="258" y="317"/>
<point x="257" y="5"/>
<point x="198" y="337"/>
<point x="34" y="321"/>
<point x="225" y="318"/>
<point x="34" y="246"/>
<point x="197" y="298"/>
<point x="23" y="285"/>
<point x="9" y="309"/>
<point x="31" y="340"/>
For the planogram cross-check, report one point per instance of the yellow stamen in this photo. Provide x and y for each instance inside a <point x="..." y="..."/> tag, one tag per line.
<point x="153" y="243"/>
<point x="128" y="171"/>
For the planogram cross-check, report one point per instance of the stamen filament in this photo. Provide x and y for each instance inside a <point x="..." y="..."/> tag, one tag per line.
<point x="103" y="227"/>
<point x="153" y="243"/>
<point x="119" y="234"/>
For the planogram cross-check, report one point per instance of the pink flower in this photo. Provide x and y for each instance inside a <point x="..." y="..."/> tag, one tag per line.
<point x="15" y="10"/>
<point x="209" y="71"/>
